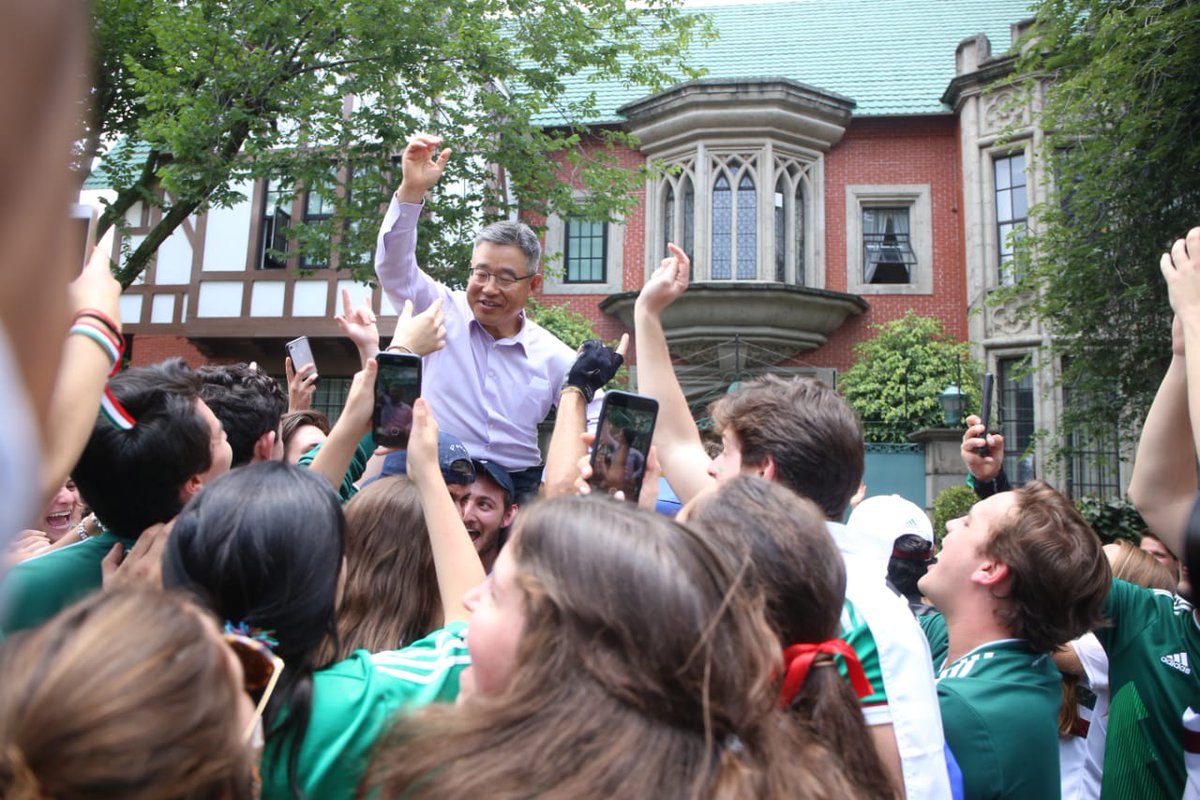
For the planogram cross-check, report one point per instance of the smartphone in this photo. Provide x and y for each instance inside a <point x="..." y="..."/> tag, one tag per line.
<point x="300" y="352"/>
<point x="987" y="388"/>
<point x="397" y="387"/>
<point x="82" y="230"/>
<point x="623" y="443"/>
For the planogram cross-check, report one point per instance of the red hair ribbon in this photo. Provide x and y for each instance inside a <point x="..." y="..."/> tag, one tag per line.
<point x="798" y="660"/>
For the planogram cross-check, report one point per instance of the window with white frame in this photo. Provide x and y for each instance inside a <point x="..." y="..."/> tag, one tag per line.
<point x="889" y="239"/>
<point x="1012" y="211"/>
<point x="740" y="212"/>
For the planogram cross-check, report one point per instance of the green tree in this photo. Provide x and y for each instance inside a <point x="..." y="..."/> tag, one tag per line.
<point x="314" y="93"/>
<point x="1121" y="86"/>
<point x="898" y="375"/>
<point x="573" y="329"/>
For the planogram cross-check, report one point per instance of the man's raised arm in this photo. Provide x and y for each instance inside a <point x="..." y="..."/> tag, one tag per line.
<point x="680" y="451"/>
<point x="1163" y="484"/>
<point x="396" y="247"/>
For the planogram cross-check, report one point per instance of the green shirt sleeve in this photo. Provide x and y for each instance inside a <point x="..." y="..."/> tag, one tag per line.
<point x="1128" y="612"/>
<point x="358" y="464"/>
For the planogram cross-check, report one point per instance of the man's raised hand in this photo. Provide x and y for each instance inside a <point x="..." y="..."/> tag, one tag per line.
<point x="667" y="283"/>
<point x="423" y="166"/>
<point x="1181" y="268"/>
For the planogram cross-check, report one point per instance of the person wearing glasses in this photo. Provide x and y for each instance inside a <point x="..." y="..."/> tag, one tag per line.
<point x="500" y="373"/>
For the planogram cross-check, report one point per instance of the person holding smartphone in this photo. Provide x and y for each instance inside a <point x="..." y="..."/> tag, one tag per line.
<point x="500" y="372"/>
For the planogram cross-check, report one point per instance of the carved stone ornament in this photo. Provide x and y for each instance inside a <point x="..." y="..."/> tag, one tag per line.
<point x="1006" y="321"/>
<point x="1001" y="110"/>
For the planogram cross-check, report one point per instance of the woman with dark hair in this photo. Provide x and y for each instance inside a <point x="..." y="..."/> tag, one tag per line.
<point x="389" y="596"/>
<point x="263" y="548"/>
<point x="614" y="654"/>
<point x="130" y="694"/>
<point x="798" y="570"/>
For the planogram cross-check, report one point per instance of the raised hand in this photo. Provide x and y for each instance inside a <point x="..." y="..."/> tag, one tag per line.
<point x="984" y="468"/>
<point x="96" y="287"/>
<point x="667" y="283"/>
<point x="358" y="324"/>
<point x="595" y="365"/>
<point x="422" y="462"/>
<point x="423" y="166"/>
<point x="1181" y="268"/>
<point x="421" y="334"/>
<point x="302" y="384"/>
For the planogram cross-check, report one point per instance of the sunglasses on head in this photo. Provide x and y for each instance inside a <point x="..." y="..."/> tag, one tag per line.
<point x="260" y="670"/>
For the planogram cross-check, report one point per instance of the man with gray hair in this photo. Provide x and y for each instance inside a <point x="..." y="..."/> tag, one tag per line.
<point x="499" y="373"/>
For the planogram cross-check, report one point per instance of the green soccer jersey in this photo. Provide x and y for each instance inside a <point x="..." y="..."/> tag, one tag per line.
<point x="934" y="626"/>
<point x="1152" y="645"/>
<point x="999" y="706"/>
<point x="353" y="702"/>
<point x="37" y="589"/>
<point x="857" y="634"/>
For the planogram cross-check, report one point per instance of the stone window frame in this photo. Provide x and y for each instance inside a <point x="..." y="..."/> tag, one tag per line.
<point x="554" y="270"/>
<point x="918" y="198"/>
<point x="767" y="160"/>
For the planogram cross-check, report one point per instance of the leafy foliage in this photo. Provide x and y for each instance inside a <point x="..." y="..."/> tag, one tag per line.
<point x="1112" y="518"/>
<point x="1122" y="115"/>
<point x="951" y="503"/>
<point x="218" y="93"/>
<point x="898" y="375"/>
<point x="572" y="329"/>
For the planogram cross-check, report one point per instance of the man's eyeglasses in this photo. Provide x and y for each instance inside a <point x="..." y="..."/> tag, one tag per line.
<point x="260" y="669"/>
<point x="481" y="275"/>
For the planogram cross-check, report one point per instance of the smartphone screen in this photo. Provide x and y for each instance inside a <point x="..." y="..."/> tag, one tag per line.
<point x="300" y="352"/>
<point x="623" y="443"/>
<point x="81" y="227"/>
<point x="397" y="387"/>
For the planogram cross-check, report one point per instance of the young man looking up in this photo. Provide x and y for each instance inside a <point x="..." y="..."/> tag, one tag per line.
<point x="1020" y="575"/>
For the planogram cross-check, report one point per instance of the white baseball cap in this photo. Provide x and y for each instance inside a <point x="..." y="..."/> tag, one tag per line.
<point x="877" y="522"/>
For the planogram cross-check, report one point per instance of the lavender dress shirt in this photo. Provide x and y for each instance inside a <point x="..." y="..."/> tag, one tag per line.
<point x="491" y="393"/>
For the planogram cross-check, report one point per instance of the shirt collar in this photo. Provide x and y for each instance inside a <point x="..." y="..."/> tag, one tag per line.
<point x="520" y="339"/>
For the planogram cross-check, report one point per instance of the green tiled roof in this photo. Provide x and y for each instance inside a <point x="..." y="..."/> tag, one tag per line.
<point x="890" y="56"/>
<point x="127" y="151"/>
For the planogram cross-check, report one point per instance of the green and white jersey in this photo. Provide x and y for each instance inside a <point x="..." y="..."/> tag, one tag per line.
<point x="877" y="624"/>
<point x="1000" y="712"/>
<point x="858" y="635"/>
<point x="1152" y="647"/>
<point x="353" y="702"/>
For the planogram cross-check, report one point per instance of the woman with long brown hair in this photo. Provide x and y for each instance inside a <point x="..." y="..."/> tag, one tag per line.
<point x="389" y="596"/>
<point x="614" y="654"/>
<point x="799" y="571"/>
<point x="130" y="694"/>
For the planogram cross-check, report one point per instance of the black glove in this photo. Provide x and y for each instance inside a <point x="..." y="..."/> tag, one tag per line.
<point x="595" y="366"/>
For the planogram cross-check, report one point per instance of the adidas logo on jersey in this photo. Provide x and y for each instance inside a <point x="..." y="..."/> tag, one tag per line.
<point x="1178" y="661"/>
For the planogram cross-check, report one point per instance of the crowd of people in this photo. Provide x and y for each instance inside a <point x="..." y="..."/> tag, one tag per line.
<point x="208" y="591"/>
